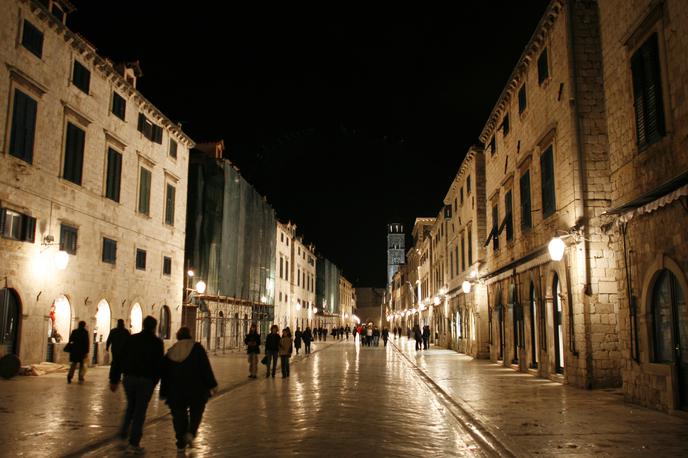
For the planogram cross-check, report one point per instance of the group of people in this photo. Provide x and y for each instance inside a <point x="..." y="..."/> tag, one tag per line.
<point x="275" y="346"/>
<point x="370" y="335"/>
<point x="139" y="361"/>
<point x="421" y="336"/>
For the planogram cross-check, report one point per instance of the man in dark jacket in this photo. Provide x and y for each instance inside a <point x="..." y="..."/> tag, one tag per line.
<point x="187" y="383"/>
<point x="141" y="363"/>
<point x="116" y="340"/>
<point x="426" y="337"/>
<point x="418" y="335"/>
<point x="272" y="349"/>
<point x="252" y="341"/>
<point x="78" y="344"/>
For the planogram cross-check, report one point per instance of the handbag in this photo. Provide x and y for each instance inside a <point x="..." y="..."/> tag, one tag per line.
<point x="68" y="347"/>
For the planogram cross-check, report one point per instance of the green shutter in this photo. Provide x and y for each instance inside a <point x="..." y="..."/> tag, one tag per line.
<point x="74" y="154"/>
<point x="23" y="126"/>
<point x="547" y="182"/>
<point x="114" y="170"/>
<point x="526" y="221"/>
<point x="169" y="208"/>
<point x="144" y="191"/>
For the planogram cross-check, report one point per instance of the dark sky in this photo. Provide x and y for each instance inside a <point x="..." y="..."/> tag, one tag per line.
<point x="345" y="118"/>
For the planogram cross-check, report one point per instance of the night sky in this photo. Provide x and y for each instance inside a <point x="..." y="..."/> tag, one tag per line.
<point x="345" y="118"/>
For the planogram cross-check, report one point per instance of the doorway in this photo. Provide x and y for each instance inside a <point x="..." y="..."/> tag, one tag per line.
<point x="558" y="326"/>
<point x="533" y="328"/>
<point x="9" y="321"/>
<point x="670" y="329"/>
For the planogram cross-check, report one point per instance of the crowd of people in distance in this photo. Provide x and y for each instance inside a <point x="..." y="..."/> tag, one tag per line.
<point x="421" y="336"/>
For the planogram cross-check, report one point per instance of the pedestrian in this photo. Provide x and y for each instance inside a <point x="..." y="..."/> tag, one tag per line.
<point x="385" y="335"/>
<point x="297" y="339"/>
<point x="78" y="350"/>
<point x="186" y="384"/>
<point x="115" y="340"/>
<point x="426" y="337"/>
<point x="324" y="334"/>
<point x="369" y="336"/>
<point x="341" y="332"/>
<point x="376" y="336"/>
<point x="347" y="331"/>
<point x="141" y="364"/>
<point x="418" y="335"/>
<point x="272" y="349"/>
<point x="285" y="350"/>
<point x="252" y="341"/>
<point x="307" y="339"/>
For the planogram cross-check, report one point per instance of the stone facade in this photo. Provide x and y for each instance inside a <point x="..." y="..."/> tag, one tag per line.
<point x="43" y="65"/>
<point x="650" y="239"/>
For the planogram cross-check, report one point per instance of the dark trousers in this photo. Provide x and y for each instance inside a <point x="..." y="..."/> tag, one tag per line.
<point x="307" y="346"/>
<point x="186" y="418"/>
<point x="115" y="369"/>
<point x="425" y="343"/>
<point x="139" y="391"/>
<point x="272" y="359"/>
<point x="418" y="344"/>
<point x="385" y="339"/>
<point x="284" y="364"/>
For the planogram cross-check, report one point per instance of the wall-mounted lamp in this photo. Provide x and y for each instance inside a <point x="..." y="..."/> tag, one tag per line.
<point x="557" y="246"/>
<point x="61" y="258"/>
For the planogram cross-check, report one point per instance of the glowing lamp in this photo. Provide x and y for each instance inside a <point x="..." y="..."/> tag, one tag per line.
<point x="61" y="260"/>
<point x="298" y="306"/>
<point x="190" y="273"/>
<point x="437" y="300"/>
<point x="556" y="248"/>
<point x="200" y="287"/>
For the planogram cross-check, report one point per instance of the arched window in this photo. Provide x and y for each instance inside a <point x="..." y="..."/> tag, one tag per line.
<point x="9" y="321"/>
<point x="165" y="323"/>
<point x="102" y="321"/>
<point x="136" y="318"/>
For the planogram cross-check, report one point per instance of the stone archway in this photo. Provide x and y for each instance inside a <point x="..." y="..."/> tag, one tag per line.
<point x="103" y="321"/>
<point x="136" y="318"/>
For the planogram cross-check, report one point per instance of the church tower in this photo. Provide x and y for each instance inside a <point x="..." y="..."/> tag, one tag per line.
<point x="395" y="249"/>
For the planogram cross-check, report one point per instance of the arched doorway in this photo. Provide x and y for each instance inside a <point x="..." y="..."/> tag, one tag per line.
<point x="558" y="325"/>
<point x="515" y="321"/>
<point x="670" y="329"/>
<point x="61" y="319"/>
<point x="9" y="321"/>
<point x="103" y="322"/>
<point x="136" y="318"/>
<point x="533" y="327"/>
<point x="164" y="328"/>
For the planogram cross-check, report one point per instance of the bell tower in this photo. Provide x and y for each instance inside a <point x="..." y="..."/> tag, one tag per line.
<point x="395" y="249"/>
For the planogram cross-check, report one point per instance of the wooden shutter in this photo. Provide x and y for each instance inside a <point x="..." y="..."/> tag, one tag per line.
<point x="2" y="220"/>
<point x="543" y="69"/>
<point x="142" y="123"/>
<point x="28" y="228"/>
<point x="74" y="154"/>
<point x="647" y="93"/>
<point x="114" y="172"/>
<point x="169" y="207"/>
<point x="144" y="191"/>
<point x="509" y="218"/>
<point x="32" y="39"/>
<point x="23" y="126"/>
<point x="547" y="182"/>
<point x="157" y="134"/>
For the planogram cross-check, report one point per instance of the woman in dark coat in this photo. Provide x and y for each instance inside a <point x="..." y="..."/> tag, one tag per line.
<point x="307" y="338"/>
<point x="78" y="350"/>
<point x="187" y="383"/>
<point x="297" y="339"/>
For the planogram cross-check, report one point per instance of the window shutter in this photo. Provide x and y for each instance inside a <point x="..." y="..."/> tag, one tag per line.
<point x="547" y="174"/>
<point x="113" y="175"/>
<point x="32" y="39"/>
<point x="2" y="220"/>
<point x="157" y="134"/>
<point x="654" y="105"/>
<point x="29" y="228"/>
<point x="23" y="126"/>
<point x="142" y="123"/>
<point x="526" y="221"/>
<point x="169" y="209"/>
<point x="144" y="191"/>
<point x="638" y="84"/>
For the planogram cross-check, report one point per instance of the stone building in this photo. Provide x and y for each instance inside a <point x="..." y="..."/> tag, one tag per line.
<point x="302" y="283"/>
<point x="347" y="302"/>
<point x="547" y="176"/>
<point x="92" y="170"/>
<point x="285" y="303"/>
<point x="645" y="50"/>
<point x="395" y="249"/>
<point x="464" y="305"/>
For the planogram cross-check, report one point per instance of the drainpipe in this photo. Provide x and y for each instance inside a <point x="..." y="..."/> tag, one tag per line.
<point x="580" y="189"/>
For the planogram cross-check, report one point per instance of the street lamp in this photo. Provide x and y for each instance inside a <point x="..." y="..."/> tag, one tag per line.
<point x="466" y="286"/>
<point x="556" y="248"/>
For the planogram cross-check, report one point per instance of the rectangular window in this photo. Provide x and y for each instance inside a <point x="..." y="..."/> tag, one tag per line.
<point x="81" y="77"/>
<point x="68" y="236"/>
<point x="173" y="149"/>
<point x="470" y="247"/>
<point x="17" y="226"/>
<point x="505" y="125"/>
<point x="281" y="267"/>
<point x="166" y="265"/>
<point x="451" y="263"/>
<point x="169" y="205"/>
<point x="526" y="222"/>
<point x="509" y="216"/>
<point x="493" y="146"/>
<point x="32" y="39"/>
<point x="298" y="277"/>
<point x="286" y="269"/>
<point x="647" y="93"/>
<point x="149" y="130"/>
<point x="522" y="101"/>
<point x="140" y="259"/>
<point x="119" y="106"/>
<point x="468" y="185"/>
<point x="461" y="195"/>
<point x="114" y="174"/>
<point x="109" y="250"/>
<point x="495" y="226"/>
<point x="543" y="67"/>
<point x="74" y="154"/>
<point x="23" y="126"/>
<point x="549" y="204"/>
<point x="144" y="191"/>
<point x="463" y="254"/>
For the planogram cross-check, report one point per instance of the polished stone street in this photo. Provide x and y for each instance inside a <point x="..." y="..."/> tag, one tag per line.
<point x="347" y="400"/>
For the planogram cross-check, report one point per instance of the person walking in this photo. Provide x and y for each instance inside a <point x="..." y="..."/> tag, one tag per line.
<point x="272" y="349"/>
<point x="347" y="331"/>
<point x="376" y="336"/>
<point x="307" y="339"/>
<point x="426" y="337"/>
<point x="297" y="339"/>
<point x="252" y="341"/>
<point x="141" y="364"/>
<point x="385" y="335"/>
<point x="116" y="340"/>
<point x="187" y="381"/>
<point x="418" y="335"/>
<point x="285" y="350"/>
<point x="369" y="336"/>
<point x="78" y="350"/>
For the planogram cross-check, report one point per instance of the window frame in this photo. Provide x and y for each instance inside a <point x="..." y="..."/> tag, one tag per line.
<point x="114" y="111"/>
<point x="77" y="179"/>
<point x="104" y="254"/>
<point x="141" y="255"/>
<point x="16" y="123"/>
<point x="69" y="238"/>
<point x="29" y="46"/>
<point x="167" y="265"/>
<point x="113" y="190"/>
<point x="169" y="210"/>
<point x="139" y="210"/>
<point x="522" y="99"/>
<point x="84" y="74"/>
<point x="543" y="79"/>
<point x="546" y="213"/>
